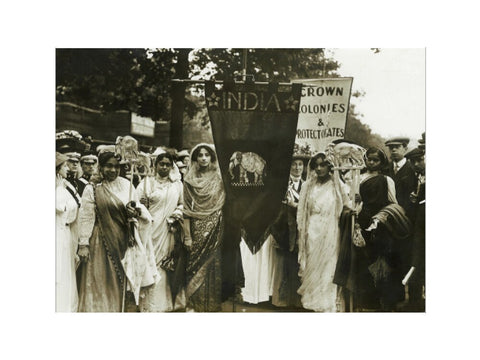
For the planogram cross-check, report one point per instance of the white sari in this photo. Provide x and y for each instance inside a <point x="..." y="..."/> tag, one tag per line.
<point x="319" y="210"/>
<point x="165" y="199"/>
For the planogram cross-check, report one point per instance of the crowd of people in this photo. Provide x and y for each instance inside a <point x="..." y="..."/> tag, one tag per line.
<point x="151" y="240"/>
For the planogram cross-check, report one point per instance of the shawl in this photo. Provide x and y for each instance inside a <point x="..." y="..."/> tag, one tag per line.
<point x="203" y="191"/>
<point x="394" y="218"/>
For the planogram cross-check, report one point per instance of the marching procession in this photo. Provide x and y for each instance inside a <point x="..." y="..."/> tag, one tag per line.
<point x="150" y="232"/>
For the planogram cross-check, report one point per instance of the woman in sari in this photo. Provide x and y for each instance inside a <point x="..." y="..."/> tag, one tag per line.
<point x="163" y="195"/>
<point x="321" y="202"/>
<point x="385" y="229"/>
<point x="67" y="202"/>
<point x="204" y="197"/>
<point x="107" y="233"/>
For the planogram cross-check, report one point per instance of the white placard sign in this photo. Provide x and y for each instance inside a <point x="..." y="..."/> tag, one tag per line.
<point x="323" y="112"/>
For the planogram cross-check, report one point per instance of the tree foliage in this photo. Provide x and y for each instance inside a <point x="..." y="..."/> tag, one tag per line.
<point x="139" y="80"/>
<point x="282" y="65"/>
<point x="361" y="133"/>
<point x="116" y="79"/>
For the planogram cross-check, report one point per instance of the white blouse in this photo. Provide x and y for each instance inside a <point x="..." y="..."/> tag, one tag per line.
<point x="121" y="188"/>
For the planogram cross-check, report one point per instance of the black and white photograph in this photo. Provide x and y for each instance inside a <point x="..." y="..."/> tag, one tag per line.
<point x="239" y="180"/>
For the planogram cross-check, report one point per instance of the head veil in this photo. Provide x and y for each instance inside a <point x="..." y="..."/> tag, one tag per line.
<point x="203" y="191"/>
<point x="174" y="174"/>
<point x="305" y="206"/>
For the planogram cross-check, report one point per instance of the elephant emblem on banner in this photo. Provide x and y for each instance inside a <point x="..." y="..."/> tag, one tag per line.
<point x="247" y="169"/>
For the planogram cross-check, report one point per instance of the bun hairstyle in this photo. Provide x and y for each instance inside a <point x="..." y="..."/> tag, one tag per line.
<point x="208" y="148"/>
<point x="163" y="156"/>
<point x="313" y="161"/>
<point x="107" y="155"/>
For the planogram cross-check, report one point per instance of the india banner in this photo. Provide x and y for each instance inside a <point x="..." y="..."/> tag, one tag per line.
<point x="253" y="127"/>
<point x="322" y="114"/>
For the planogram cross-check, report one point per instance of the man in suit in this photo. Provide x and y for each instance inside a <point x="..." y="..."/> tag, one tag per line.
<point x="402" y="173"/>
<point x="416" y="283"/>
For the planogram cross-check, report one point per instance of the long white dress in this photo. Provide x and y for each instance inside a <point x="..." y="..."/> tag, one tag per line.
<point x="318" y="248"/>
<point x="258" y="272"/>
<point x="165" y="200"/>
<point x="65" y="283"/>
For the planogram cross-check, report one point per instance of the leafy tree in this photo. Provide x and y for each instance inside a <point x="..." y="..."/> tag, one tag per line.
<point x="116" y="79"/>
<point x="361" y="133"/>
<point x="139" y="80"/>
<point x="280" y="65"/>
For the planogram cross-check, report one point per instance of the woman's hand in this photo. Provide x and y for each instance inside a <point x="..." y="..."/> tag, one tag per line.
<point x="358" y="199"/>
<point x="187" y="241"/>
<point x="413" y="198"/>
<point x="83" y="253"/>
<point x="132" y="211"/>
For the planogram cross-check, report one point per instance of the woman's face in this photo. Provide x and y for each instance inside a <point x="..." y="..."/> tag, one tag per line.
<point x="63" y="171"/>
<point x="321" y="168"/>
<point x="297" y="168"/>
<point x="111" y="169"/>
<point x="204" y="159"/>
<point x="373" y="162"/>
<point x="163" y="167"/>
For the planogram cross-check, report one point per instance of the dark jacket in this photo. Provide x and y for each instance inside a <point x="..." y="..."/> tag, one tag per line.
<point x="405" y="183"/>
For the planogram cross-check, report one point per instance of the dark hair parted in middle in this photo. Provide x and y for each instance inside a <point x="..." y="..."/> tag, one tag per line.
<point x="105" y="156"/>
<point x="210" y="151"/>
<point x="313" y="161"/>
<point x="381" y="155"/>
<point x="162" y="156"/>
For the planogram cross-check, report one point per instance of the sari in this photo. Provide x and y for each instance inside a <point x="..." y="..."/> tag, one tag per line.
<point x="104" y="226"/>
<point x="165" y="200"/>
<point x="204" y="198"/>
<point x="318" y="217"/>
<point x="378" y="264"/>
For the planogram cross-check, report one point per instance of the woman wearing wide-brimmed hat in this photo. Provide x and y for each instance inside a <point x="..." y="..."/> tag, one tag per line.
<point x="66" y="209"/>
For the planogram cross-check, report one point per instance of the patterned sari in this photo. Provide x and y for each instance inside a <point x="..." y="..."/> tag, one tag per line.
<point x="204" y="198"/>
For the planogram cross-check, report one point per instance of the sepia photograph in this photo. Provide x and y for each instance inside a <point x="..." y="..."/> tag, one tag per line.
<point x="240" y="179"/>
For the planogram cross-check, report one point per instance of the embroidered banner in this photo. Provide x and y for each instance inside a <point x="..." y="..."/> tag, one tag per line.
<point x="322" y="113"/>
<point x="253" y="128"/>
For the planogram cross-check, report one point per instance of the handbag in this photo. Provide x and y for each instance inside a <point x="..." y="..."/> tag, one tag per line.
<point x="358" y="239"/>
